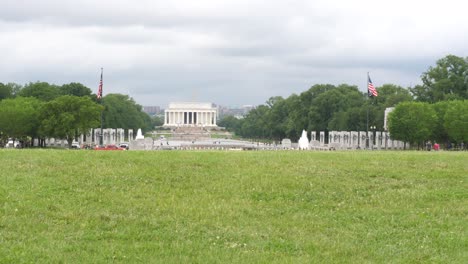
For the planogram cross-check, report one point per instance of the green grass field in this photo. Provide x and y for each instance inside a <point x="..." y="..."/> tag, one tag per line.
<point x="64" y="206"/>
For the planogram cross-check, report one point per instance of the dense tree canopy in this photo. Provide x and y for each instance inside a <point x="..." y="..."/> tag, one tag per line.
<point x="321" y="108"/>
<point x="412" y="122"/>
<point x="121" y="111"/>
<point x="448" y="80"/>
<point x="19" y="117"/>
<point x="9" y="90"/>
<point x="69" y="116"/>
<point x="5" y="91"/>
<point x="40" y="90"/>
<point x="456" y="121"/>
<point x="230" y="123"/>
<point x="76" y="89"/>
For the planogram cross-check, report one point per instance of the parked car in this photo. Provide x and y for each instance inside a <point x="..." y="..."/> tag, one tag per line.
<point x="109" y="147"/>
<point x="75" y="145"/>
<point x="124" y="145"/>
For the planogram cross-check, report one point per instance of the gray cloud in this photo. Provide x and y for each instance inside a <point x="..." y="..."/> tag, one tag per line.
<point x="228" y="52"/>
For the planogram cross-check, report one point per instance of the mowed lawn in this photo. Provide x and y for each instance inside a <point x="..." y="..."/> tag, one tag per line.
<point x="78" y="206"/>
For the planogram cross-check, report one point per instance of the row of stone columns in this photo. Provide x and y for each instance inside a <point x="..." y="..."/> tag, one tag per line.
<point x="110" y="136"/>
<point x="352" y="139"/>
<point x="174" y="118"/>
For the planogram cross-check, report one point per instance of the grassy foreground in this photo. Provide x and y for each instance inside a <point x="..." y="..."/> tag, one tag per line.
<point x="233" y="207"/>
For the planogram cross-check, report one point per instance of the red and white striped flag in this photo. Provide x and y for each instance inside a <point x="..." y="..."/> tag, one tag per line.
<point x="371" y="91"/>
<point x="99" y="94"/>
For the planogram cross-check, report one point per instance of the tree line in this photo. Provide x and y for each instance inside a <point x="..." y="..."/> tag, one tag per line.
<point x="41" y="110"/>
<point x="325" y="107"/>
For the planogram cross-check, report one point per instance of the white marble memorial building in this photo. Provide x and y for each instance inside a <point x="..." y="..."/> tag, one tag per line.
<point x="190" y="114"/>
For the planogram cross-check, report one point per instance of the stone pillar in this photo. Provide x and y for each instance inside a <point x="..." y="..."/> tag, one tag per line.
<point x="97" y="136"/>
<point x="214" y="121"/>
<point x="379" y="138"/>
<point x="322" y="138"/>
<point x="130" y="135"/>
<point x="347" y="138"/>
<point x="105" y="135"/>
<point x="362" y="139"/>
<point x="112" y="136"/>
<point x="312" y="136"/>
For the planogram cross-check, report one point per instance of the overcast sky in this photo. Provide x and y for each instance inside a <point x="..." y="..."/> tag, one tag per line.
<point x="227" y="52"/>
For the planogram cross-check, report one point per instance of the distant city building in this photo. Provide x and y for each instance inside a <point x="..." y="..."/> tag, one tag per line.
<point x="238" y="112"/>
<point x="152" y="110"/>
<point x="190" y="114"/>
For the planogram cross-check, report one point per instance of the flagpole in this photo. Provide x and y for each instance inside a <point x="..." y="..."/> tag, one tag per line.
<point x="101" y="142"/>
<point x="367" y="120"/>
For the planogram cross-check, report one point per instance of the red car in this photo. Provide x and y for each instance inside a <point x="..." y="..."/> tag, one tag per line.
<point x="109" y="147"/>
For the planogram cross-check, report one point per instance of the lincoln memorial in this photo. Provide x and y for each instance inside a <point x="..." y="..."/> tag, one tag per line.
<point x="190" y="114"/>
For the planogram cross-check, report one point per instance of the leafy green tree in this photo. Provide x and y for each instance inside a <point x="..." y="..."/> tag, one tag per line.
<point x="277" y="117"/>
<point x="69" y="116"/>
<point x="412" y="122"/>
<point x="389" y="96"/>
<point x="157" y="121"/>
<point x="334" y="101"/>
<point x="5" y="92"/>
<point x="19" y="117"/>
<point x="15" y="88"/>
<point x="254" y="124"/>
<point x="456" y="121"/>
<point x="76" y="89"/>
<point x="440" y="133"/>
<point x="121" y="111"/>
<point x="40" y="90"/>
<point x="9" y="90"/>
<point x="448" y="80"/>
<point x="231" y="123"/>
<point x="304" y="115"/>
<point x="297" y="118"/>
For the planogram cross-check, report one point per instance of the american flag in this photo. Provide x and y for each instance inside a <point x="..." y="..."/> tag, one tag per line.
<point x="371" y="91"/>
<point x="99" y="94"/>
